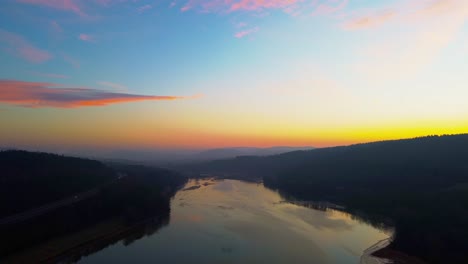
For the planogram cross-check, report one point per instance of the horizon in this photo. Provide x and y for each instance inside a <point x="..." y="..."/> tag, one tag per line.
<point x="180" y="155"/>
<point x="143" y="75"/>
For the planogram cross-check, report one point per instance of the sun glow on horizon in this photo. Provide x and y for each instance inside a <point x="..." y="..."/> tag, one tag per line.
<point x="125" y="74"/>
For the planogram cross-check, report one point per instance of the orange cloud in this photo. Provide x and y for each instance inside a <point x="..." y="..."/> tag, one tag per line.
<point x="441" y="7"/>
<point x="330" y="6"/>
<point x="413" y="11"/>
<point x="21" y="47"/>
<point x="38" y="95"/>
<point x="436" y="24"/>
<point x="368" y="21"/>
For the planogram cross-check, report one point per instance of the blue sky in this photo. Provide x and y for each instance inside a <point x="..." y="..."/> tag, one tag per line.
<point x="208" y="73"/>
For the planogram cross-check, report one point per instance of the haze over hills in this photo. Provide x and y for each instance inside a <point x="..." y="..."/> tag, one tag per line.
<point x="225" y="153"/>
<point x="165" y="156"/>
<point x="182" y="156"/>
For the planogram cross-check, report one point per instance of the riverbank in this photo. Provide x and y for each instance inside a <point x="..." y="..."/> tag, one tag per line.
<point x="368" y="256"/>
<point x="72" y="247"/>
<point x="382" y="253"/>
<point x="397" y="257"/>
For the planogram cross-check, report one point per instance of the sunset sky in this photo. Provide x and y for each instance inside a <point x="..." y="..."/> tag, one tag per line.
<point x="147" y="74"/>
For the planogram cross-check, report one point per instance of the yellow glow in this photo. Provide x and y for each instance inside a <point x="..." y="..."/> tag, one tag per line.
<point x="119" y="127"/>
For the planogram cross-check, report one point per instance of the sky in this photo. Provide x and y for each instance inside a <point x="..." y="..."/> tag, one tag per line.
<point x="193" y="74"/>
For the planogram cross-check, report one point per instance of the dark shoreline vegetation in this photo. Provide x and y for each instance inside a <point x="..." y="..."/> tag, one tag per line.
<point x="418" y="187"/>
<point x="421" y="184"/>
<point x="125" y="201"/>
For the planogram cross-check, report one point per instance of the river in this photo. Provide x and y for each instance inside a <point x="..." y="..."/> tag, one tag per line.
<point x="230" y="221"/>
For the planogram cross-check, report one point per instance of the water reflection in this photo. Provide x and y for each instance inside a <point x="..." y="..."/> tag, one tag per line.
<point x="125" y="236"/>
<point x="229" y="221"/>
<point x="75" y="246"/>
<point x="378" y="222"/>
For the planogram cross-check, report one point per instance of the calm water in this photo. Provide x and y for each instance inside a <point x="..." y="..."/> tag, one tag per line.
<point x="231" y="221"/>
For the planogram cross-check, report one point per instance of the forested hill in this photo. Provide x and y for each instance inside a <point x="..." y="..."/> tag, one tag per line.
<point x="421" y="184"/>
<point x="30" y="179"/>
<point x="418" y="157"/>
<point x="47" y="197"/>
<point x="426" y="162"/>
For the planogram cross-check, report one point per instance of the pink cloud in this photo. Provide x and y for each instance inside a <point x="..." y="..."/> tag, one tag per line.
<point x="260" y="4"/>
<point x="246" y="32"/>
<point x="86" y="37"/>
<point x="144" y="8"/>
<point x="185" y="8"/>
<point x="292" y="7"/>
<point x="21" y="47"/>
<point x="66" y="5"/>
<point x="40" y="95"/>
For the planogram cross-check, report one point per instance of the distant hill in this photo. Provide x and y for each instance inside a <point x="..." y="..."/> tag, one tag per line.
<point x="424" y="153"/>
<point x="165" y="158"/>
<point x="225" y="153"/>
